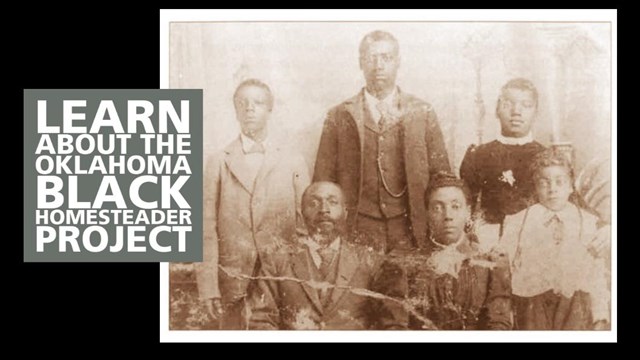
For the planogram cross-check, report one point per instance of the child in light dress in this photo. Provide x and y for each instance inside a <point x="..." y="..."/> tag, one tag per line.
<point x="557" y="281"/>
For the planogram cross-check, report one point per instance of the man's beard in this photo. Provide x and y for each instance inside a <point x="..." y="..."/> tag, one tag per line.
<point x="326" y="237"/>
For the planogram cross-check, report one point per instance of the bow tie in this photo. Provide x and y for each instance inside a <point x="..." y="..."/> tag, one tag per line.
<point x="256" y="148"/>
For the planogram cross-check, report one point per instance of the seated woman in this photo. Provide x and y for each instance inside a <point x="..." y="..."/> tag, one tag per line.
<point x="558" y="283"/>
<point x="451" y="283"/>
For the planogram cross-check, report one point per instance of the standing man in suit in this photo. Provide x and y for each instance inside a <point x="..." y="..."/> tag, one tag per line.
<point x="380" y="146"/>
<point x="498" y="173"/>
<point x="252" y="191"/>
<point x="313" y="292"/>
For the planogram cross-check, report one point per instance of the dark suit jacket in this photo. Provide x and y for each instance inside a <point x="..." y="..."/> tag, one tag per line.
<point x="291" y="303"/>
<point x="340" y="158"/>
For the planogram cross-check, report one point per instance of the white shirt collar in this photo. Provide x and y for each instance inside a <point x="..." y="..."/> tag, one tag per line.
<point x="247" y="142"/>
<point x="515" y="141"/>
<point x="373" y="101"/>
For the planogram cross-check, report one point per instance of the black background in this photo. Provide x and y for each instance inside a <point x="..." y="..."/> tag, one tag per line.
<point x="102" y="47"/>
<point x="97" y="47"/>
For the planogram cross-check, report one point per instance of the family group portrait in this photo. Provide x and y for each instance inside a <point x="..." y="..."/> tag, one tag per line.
<point x="399" y="176"/>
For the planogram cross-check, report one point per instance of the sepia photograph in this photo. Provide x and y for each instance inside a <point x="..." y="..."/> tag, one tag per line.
<point x="399" y="175"/>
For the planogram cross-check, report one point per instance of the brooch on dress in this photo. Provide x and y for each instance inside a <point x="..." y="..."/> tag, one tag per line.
<point x="507" y="176"/>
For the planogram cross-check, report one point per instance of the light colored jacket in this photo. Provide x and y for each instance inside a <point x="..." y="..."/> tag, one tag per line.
<point x="243" y="218"/>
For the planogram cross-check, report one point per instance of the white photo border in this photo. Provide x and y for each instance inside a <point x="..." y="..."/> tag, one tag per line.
<point x="471" y="15"/>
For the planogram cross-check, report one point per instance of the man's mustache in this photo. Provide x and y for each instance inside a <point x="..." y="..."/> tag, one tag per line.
<point x="324" y="218"/>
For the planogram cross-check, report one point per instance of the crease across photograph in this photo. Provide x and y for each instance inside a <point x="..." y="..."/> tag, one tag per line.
<point x="399" y="175"/>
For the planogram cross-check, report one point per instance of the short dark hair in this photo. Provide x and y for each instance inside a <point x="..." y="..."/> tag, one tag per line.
<point x="377" y="35"/>
<point x="520" y="84"/>
<point x="443" y="179"/>
<point x="257" y="83"/>
<point x="548" y="158"/>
